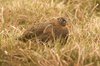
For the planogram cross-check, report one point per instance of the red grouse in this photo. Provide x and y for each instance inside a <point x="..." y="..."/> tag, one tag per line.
<point x="55" y="29"/>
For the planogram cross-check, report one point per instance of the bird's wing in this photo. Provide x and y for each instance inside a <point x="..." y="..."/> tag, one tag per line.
<point x="48" y="28"/>
<point x="35" y="31"/>
<point x="46" y="33"/>
<point x="28" y="34"/>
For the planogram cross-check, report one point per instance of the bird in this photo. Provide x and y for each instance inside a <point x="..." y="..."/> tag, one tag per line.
<point x="54" y="29"/>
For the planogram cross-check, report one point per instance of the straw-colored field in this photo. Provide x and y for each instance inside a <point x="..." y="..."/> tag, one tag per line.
<point x="81" y="49"/>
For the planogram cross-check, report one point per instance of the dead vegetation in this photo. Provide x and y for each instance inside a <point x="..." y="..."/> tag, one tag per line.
<point x="82" y="48"/>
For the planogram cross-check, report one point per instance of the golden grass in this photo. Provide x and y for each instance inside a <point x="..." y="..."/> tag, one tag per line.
<point x="82" y="48"/>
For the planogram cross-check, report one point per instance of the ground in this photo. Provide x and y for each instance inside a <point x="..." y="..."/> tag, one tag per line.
<point x="81" y="49"/>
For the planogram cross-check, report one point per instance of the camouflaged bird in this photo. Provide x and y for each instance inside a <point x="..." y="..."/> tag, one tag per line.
<point x="55" y="29"/>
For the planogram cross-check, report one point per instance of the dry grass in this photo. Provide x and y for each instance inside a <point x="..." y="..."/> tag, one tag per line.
<point x="82" y="48"/>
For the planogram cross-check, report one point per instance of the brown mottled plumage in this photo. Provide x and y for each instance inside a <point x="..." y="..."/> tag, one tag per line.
<point x="50" y="31"/>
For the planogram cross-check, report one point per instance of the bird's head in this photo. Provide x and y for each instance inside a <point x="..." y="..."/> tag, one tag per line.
<point x="62" y="21"/>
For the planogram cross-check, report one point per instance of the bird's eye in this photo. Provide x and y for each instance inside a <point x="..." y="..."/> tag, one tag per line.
<point x="64" y="21"/>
